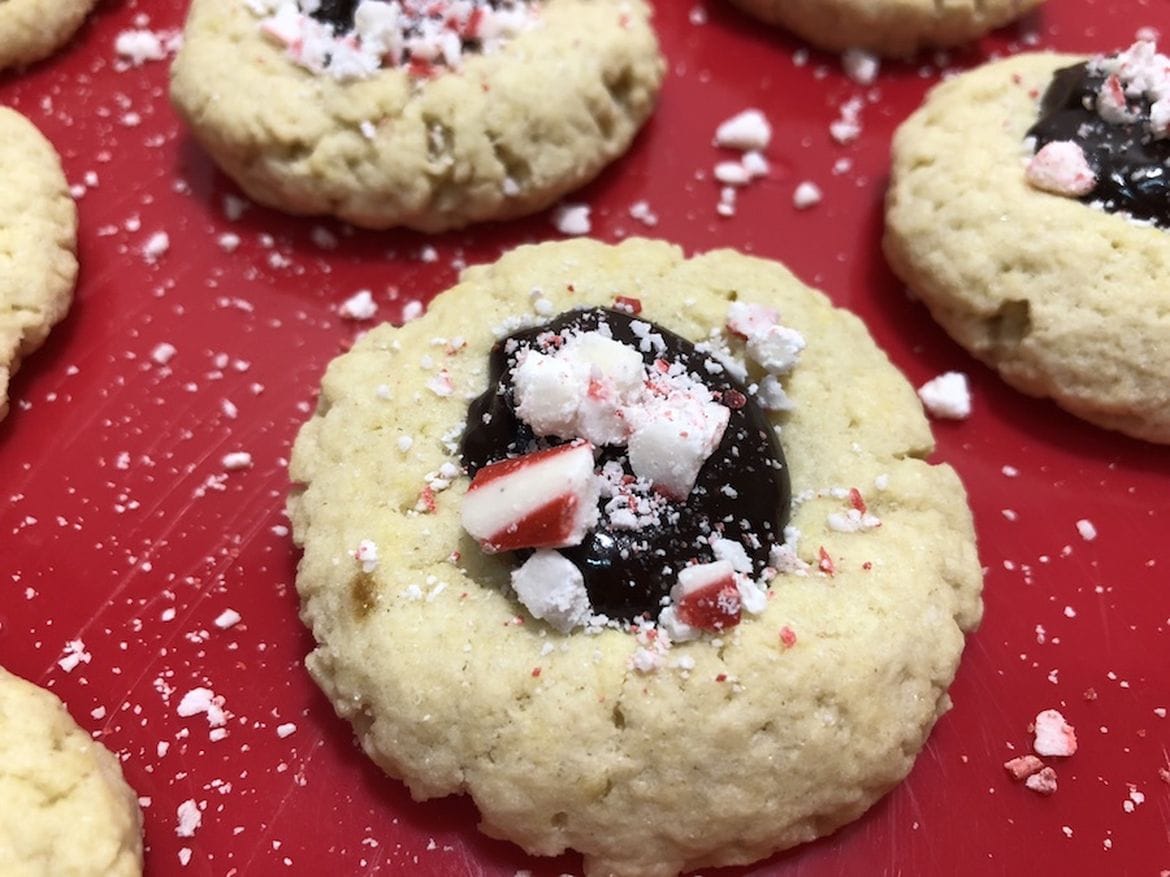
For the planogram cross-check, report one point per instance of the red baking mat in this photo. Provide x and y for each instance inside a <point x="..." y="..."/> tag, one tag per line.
<point x="121" y="528"/>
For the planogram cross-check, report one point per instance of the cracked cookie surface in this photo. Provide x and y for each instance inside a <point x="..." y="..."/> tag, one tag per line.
<point x="887" y="27"/>
<point x="479" y="143"/>
<point x="65" y="809"/>
<point x="38" y="243"/>
<point x="732" y="748"/>
<point x="33" y="29"/>
<point x="1064" y="300"/>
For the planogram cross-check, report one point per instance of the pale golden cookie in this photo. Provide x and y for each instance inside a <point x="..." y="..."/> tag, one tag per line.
<point x="65" y="810"/>
<point x="793" y="725"/>
<point x="33" y="29"/>
<point x="887" y="27"/>
<point x="505" y="135"/>
<point x="38" y="243"/>
<point x="1063" y="299"/>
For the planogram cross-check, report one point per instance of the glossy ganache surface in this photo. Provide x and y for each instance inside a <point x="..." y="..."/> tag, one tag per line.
<point x="742" y="493"/>
<point x="1131" y="164"/>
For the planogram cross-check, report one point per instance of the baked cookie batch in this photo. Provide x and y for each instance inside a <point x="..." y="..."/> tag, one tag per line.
<point x="647" y="497"/>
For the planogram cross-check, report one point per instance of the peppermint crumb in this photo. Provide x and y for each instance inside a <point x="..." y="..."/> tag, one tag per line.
<point x="640" y="210"/>
<point x="748" y="130"/>
<point x="1010" y="471"/>
<point x="359" y="306"/>
<point x="807" y="194"/>
<point x="189" y="818"/>
<point x="185" y="856"/>
<point x="163" y="353"/>
<point x="156" y="246"/>
<point x="1086" y="529"/>
<point x="285" y="730"/>
<point x="139" y="46"/>
<point x="412" y="310"/>
<point x="229" y="242"/>
<point x="237" y="460"/>
<point x="947" y="396"/>
<point x="572" y="219"/>
<point x="405" y="443"/>
<point x="75" y="654"/>
<point x="860" y="66"/>
<point x="227" y="618"/>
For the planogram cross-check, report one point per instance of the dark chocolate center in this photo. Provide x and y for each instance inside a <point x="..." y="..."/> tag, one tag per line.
<point x="1133" y="169"/>
<point x="337" y="13"/>
<point x="742" y="492"/>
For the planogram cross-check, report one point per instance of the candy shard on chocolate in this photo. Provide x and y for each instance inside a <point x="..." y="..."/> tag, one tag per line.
<point x="699" y="461"/>
<point x="552" y="589"/>
<point x="1116" y="110"/>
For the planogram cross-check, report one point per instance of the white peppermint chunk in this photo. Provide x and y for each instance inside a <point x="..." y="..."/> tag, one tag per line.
<point x="733" y="552"/>
<point x="748" y="130"/>
<point x="552" y="589"/>
<point x="1060" y="167"/>
<point x="777" y="350"/>
<point x="548" y="391"/>
<point x="672" y="439"/>
<point x="947" y="396"/>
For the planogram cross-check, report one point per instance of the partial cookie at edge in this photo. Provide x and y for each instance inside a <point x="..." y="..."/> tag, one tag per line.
<point x="65" y="809"/>
<point x="484" y="142"/>
<point x="38" y="229"/>
<point x="1064" y="300"/>
<point x="33" y="29"/>
<point x="449" y="688"/>
<point x="887" y="27"/>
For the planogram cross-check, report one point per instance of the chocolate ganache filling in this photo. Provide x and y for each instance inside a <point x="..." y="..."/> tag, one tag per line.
<point x="742" y="492"/>
<point x="1131" y="164"/>
<point x="340" y="14"/>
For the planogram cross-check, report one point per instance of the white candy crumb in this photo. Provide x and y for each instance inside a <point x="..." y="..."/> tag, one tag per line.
<point x="552" y="588"/>
<point x="163" y="353"/>
<point x="367" y="555"/>
<point x="860" y="66"/>
<point x="285" y="730"/>
<point x="75" y="654"/>
<point x="1086" y="529"/>
<point x="1060" y="167"/>
<point x="947" y="396"/>
<point x="572" y="219"/>
<point x="189" y="818"/>
<point x="807" y="194"/>
<point x="412" y="310"/>
<point x="139" y="46"/>
<point x="745" y="131"/>
<point x="203" y="700"/>
<point x="227" y="618"/>
<point x="1054" y="736"/>
<point x="237" y="460"/>
<point x="229" y="242"/>
<point x="156" y="246"/>
<point x="359" y="306"/>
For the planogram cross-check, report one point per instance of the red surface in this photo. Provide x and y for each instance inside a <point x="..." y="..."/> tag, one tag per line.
<point x="116" y="513"/>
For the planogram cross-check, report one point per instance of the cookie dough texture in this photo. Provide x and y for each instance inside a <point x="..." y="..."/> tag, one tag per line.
<point x="33" y="29"/>
<point x="451" y="687"/>
<point x="38" y="242"/>
<point x="1064" y="300"/>
<point x="887" y="27"/>
<point x="506" y="135"/>
<point x="65" y="810"/>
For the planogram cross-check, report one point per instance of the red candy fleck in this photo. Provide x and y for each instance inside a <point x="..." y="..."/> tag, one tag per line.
<point x="722" y="677"/>
<point x="535" y="672"/>
<point x="426" y="500"/>
<point x="712" y="607"/>
<point x="856" y="501"/>
<point x="734" y="399"/>
<point x="826" y="563"/>
<point x="627" y="305"/>
<point x="787" y="637"/>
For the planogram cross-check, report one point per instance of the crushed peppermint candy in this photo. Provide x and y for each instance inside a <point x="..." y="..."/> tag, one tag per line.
<point x="205" y="701"/>
<point x="552" y="589"/>
<point x="359" y="306"/>
<point x="1060" y="167"/>
<point x="367" y="555"/>
<point x="572" y="219"/>
<point x="947" y="396"/>
<point x="1054" y="735"/>
<point x="424" y="37"/>
<point x="745" y="131"/>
